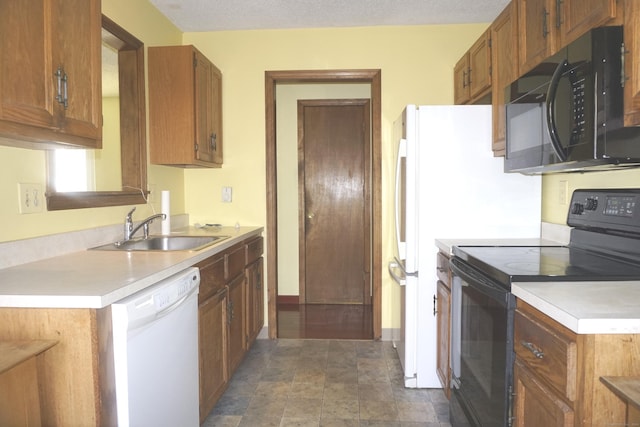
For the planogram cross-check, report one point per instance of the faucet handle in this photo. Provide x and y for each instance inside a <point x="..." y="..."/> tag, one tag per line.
<point x="130" y="214"/>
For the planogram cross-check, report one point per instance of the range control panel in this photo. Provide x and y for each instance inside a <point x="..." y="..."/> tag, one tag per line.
<point x="605" y="209"/>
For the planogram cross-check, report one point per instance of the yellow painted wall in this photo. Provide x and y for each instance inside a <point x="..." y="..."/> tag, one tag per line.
<point x="554" y="185"/>
<point x="417" y="67"/>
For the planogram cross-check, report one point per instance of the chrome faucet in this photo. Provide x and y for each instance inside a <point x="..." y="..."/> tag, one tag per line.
<point x="130" y="230"/>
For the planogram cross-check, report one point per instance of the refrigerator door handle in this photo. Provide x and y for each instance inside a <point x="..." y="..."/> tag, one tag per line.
<point x="399" y="279"/>
<point x="402" y="153"/>
<point x="402" y="278"/>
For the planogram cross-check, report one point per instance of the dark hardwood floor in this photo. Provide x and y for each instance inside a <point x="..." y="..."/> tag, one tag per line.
<point x="325" y="321"/>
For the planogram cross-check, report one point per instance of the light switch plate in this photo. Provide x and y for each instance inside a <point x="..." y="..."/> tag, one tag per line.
<point x="226" y="194"/>
<point x="31" y="198"/>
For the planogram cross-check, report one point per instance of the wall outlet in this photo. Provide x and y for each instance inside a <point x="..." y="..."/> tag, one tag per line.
<point x="563" y="192"/>
<point x="226" y="194"/>
<point x="31" y="198"/>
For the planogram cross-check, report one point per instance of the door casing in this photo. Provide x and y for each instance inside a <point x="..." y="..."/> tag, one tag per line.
<point x="374" y="78"/>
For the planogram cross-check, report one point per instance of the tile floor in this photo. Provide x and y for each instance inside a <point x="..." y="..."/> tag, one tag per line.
<point x="325" y="383"/>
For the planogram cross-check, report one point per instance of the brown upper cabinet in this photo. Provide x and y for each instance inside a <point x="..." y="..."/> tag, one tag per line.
<point x="50" y="67"/>
<point x="547" y="25"/>
<point x="504" y="57"/>
<point x="185" y="108"/>
<point x="472" y="73"/>
<point x="632" y="63"/>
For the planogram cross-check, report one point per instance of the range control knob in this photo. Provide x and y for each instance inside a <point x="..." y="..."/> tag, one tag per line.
<point x="592" y="204"/>
<point x="577" y="209"/>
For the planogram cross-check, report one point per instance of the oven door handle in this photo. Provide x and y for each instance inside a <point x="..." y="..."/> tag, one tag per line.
<point x="478" y="280"/>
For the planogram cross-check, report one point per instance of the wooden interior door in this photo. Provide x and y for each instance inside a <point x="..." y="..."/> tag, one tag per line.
<point x="334" y="200"/>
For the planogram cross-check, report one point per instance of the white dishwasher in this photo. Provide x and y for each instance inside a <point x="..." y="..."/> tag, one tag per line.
<point x="155" y="345"/>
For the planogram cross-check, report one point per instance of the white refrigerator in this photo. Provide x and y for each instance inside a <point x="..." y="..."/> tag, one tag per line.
<point x="449" y="186"/>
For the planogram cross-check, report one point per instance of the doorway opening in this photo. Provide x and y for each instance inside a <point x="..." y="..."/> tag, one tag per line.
<point x="320" y="311"/>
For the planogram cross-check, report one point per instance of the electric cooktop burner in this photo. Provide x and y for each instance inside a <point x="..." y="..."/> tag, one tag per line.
<point x="545" y="263"/>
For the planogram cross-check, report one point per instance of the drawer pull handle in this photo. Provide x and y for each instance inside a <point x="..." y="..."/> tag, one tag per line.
<point x="533" y="349"/>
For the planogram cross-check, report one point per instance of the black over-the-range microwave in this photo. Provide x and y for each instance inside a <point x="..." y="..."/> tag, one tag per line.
<point x="567" y="113"/>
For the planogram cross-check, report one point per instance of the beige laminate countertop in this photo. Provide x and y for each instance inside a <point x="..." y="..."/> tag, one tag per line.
<point x="586" y="307"/>
<point x="96" y="279"/>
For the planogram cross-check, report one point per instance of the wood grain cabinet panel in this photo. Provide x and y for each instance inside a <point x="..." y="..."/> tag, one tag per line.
<point x="535" y="405"/>
<point x="557" y="378"/>
<point x="472" y="73"/>
<point x="213" y="360"/>
<point x="255" y="299"/>
<point x="504" y="70"/>
<point x="50" y="67"/>
<point x="632" y="63"/>
<point x="185" y="108"/>
<point x="236" y="317"/>
<point x="545" y="26"/>
<point x="443" y="320"/>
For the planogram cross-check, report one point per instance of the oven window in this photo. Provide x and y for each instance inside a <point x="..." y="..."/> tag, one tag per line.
<point x="482" y="372"/>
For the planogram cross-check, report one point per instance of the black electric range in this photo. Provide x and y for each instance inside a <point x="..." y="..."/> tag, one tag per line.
<point x="604" y="245"/>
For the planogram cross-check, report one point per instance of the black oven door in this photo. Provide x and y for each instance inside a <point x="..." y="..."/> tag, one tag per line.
<point x="481" y="349"/>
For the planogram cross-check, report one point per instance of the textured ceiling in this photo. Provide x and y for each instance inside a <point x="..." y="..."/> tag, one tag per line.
<point x="220" y="15"/>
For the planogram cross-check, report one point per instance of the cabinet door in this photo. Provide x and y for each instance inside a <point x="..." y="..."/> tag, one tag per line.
<point x="480" y="65"/>
<point x="577" y="17"/>
<point x="255" y="299"/>
<point x="216" y="115"/>
<point x="535" y="405"/>
<point x="185" y="100"/>
<point x="26" y="76"/>
<point x="535" y="30"/>
<point x="203" y="93"/>
<point x="443" y="311"/>
<point x="632" y="63"/>
<point x="77" y="49"/>
<point x="212" y="331"/>
<point x="37" y="38"/>
<point x="236" y="320"/>
<point x="504" y="60"/>
<point x="461" y="81"/>
<point x="208" y="93"/>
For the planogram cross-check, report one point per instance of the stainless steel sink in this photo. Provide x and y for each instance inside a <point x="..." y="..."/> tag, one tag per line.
<point x="163" y="243"/>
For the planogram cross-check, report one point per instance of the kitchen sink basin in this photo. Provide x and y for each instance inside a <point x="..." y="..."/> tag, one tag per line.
<point x="163" y="243"/>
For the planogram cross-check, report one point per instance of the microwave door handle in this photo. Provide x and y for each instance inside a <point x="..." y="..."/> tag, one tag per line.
<point x="551" y="107"/>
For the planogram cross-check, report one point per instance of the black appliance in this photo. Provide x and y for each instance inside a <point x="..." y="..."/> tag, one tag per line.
<point x="604" y="246"/>
<point x="567" y="113"/>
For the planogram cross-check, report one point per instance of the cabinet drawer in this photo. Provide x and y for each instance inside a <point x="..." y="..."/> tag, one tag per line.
<point x="235" y="261"/>
<point x="211" y="276"/>
<point x="548" y="351"/>
<point x="443" y="269"/>
<point x="254" y="249"/>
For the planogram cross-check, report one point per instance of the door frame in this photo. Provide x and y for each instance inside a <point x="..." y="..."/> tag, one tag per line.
<point x="373" y="77"/>
<point x="302" y="251"/>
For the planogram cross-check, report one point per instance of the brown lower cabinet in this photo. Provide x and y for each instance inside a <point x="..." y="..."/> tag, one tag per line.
<point x="212" y="332"/>
<point x="227" y="307"/>
<point x="557" y="373"/>
<point x="443" y="321"/>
